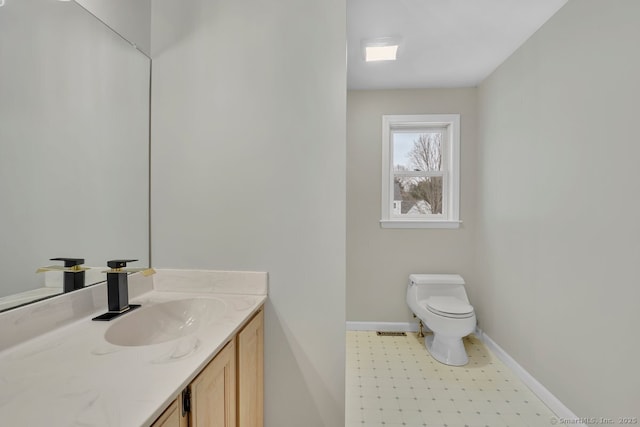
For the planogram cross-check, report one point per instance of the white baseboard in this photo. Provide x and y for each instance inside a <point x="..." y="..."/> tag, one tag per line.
<point x="383" y="326"/>
<point x="556" y="406"/>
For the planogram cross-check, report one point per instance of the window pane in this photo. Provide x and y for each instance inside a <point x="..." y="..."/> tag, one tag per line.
<point x="417" y="151"/>
<point x="415" y="196"/>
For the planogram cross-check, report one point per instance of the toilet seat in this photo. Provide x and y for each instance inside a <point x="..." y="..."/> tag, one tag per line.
<point x="448" y="306"/>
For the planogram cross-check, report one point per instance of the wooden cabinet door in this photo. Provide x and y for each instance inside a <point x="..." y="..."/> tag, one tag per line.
<point x="213" y="391"/>
<point x="172" y="416"/>
<point x="251" y="373"/>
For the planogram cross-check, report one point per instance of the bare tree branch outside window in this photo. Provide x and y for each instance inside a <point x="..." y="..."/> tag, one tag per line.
<point x="426" y="155"/>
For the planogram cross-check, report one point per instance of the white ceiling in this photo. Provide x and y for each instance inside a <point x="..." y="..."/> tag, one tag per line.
<point x="444" y="43"/>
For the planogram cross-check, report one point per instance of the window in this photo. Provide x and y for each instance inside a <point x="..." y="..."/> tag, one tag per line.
<point x="421" y="171"/>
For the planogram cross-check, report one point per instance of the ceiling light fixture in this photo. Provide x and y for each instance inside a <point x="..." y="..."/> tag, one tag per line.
<point x="382" y="49"/>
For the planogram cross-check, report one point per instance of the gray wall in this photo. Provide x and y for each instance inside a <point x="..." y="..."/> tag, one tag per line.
<point x="379" y="261"/>
<point x="559" y="182"/>
<point x="129" y="18"/>
<point x="249" y="173"/>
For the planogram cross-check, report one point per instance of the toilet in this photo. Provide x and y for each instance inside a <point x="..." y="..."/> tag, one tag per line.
<point x="441" y="302"/>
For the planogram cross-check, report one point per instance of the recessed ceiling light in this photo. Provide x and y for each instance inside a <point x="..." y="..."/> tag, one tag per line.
<point x="381" y="49"/>
<point x="380" y="53"/>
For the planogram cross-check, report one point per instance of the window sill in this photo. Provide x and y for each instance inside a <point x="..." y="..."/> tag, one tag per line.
<point x="386" y="223"/>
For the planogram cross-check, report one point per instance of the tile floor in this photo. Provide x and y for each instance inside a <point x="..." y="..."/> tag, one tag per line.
<point x="393" y="381"/>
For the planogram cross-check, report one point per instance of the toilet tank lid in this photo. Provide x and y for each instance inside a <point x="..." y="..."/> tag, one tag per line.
<point x="436" y="279"/>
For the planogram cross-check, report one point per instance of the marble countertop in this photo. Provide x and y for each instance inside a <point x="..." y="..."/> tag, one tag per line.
<point x="70" y="375"/>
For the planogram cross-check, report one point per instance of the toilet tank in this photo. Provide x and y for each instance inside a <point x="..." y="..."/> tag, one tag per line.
<point x="428" y="285"/>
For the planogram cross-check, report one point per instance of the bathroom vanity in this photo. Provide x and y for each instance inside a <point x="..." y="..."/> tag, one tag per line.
<point x="229" y="390"/>
<point x="196" y="343"/>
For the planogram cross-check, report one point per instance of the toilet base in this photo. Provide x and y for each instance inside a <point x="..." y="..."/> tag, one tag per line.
<point x="447" y="350"/>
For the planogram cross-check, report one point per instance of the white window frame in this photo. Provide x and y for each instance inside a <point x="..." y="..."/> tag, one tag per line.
<point x="450" y="217"/>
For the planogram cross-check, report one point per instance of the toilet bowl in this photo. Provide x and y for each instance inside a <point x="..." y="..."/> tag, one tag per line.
<point x="441" y="303"/>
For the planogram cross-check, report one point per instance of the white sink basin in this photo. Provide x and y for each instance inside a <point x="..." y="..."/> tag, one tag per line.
<point x="164" y="322"/>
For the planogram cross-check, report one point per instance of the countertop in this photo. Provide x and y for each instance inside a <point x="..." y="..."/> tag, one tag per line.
<point x="69" y="375"/>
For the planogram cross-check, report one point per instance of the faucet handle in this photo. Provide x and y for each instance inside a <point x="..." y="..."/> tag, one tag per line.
<point x="69" y="262"/>
<point x="119" y="263"/>
<point x="118" y="266"/>
<point x="71" y="265"/>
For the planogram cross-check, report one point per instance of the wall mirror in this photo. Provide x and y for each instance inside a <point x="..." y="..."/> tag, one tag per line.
<point x="74" y="146"/>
